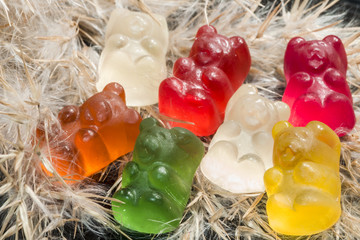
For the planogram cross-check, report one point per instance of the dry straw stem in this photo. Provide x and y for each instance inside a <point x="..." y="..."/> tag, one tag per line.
<point x="49" y="55"/>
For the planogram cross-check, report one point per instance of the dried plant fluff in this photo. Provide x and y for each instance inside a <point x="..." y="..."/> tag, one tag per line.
<point x="49" y="54"/>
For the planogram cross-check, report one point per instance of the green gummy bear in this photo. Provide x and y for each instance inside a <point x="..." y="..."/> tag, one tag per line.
<point x="156" y="184"/>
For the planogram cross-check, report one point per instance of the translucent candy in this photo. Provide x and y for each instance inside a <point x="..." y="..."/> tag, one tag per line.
<point x="134" y="55"/>
<point x="241" y="150"/>
<point x="92" y="135"/>
<point x="315" y="72"/>
<point x="204" y="82"/>
<point x="156" y="184"/>
<point x="304" y="185"/>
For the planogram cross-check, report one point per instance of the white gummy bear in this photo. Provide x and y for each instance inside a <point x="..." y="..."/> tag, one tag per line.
<point x="134" y="55"/>
<point x="241" y="150"/>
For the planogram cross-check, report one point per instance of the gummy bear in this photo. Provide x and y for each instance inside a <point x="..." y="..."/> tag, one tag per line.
<point x="315" y="72"/>
<point x="134" y="55"/>
<point x="204" y="82"/>
<point x="92" y="135"/>
<point x="156" y="184"/>
<point x="240" y="151"/>
<point x="304" y="185"/>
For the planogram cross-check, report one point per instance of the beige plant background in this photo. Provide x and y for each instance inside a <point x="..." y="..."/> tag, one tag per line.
<point x="49" y="53"/>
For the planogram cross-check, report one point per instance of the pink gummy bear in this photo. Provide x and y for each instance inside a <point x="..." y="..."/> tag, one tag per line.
<point x="315" y="72"/>
<point x="204" y="82"/>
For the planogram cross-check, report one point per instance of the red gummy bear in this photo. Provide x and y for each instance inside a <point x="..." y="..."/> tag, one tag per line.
<point x="93" y="135"/>
<point x="204" y="82"/>
<point x="315" y="72"/>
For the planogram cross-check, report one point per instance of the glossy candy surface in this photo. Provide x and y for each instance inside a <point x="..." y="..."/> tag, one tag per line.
<point x="241" y="150"/>
<point x="304" y="186"/>
<point x="92" y="135"/>
<point x="156" y="184"/>
<point x="134" y="55"/>
<point x="204" y="82"/>
<point x="315" y="72"/>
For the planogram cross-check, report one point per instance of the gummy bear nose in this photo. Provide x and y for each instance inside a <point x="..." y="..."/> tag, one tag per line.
<point x="207" y="52"/>
<point x="317" y="59"/>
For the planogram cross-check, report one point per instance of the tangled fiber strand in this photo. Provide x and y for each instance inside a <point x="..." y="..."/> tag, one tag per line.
<point x="49" y="54"/>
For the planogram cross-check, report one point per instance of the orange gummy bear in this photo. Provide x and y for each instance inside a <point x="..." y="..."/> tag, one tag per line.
<point x="93" y="135"/>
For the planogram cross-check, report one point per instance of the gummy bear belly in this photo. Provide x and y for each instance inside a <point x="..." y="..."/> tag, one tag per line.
<point x="335" y="111"/>
<point x="306" y="214"/>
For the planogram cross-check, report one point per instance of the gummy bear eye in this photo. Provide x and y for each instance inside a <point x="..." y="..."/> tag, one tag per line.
<point x="68" y="114"/>
<point x="181" y="136"/>
<point x="118" y="41"/>
<point x="152" y="46"/>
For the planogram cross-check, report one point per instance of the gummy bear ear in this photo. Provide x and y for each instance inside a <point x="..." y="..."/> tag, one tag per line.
<point x="205" y="29"/>
<point x="283" y="110"/>
<point x="115" y="88"/>
<point x="334" y="41"/>
<point x="295" y="41"/>
<point x="149" y="123"/>
<point x="69" y="114"/>
<point x="279" y="127"/>
<point x="325" y="134"/>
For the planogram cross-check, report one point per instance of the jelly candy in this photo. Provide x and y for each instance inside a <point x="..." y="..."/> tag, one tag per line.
<point x="134" y="55"/>
<point x="92" y="135"/>
<point x="204" y="82"/>
<point x="156" y="184"/>
<point x="241" y="150"/>
<point x="315" y="72"/>
<point x="304" y="185"/>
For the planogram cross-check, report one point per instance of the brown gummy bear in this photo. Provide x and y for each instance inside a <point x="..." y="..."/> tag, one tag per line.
<point x="92" y="135"/>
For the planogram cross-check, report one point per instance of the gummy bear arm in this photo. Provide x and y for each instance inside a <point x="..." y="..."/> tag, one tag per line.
<point x="218" y="86"/>
<point x="319" y="176"/>
<point x="273" y="178"/>
<point x="298" y="85"/>
<point x="130" y="173"/>
<point x="325" y="134"/>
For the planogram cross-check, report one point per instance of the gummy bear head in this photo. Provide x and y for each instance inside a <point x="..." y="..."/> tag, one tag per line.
<point x="134" y="55"/>
<point x="315" y="56"/>
<point x="254" y="112"/>
<point x="173" y="146"/>
<point x="92" y="135"/>
<point x="210" y="47"/>
<point x="146" y="35"/>
<point x="240" y="152"/>
<point x="294" y="144"/>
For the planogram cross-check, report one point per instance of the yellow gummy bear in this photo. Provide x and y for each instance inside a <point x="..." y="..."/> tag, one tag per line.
<point x="304" y="186"/>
